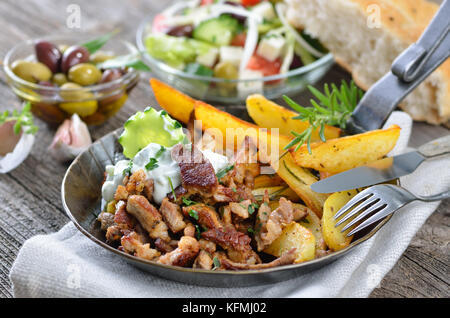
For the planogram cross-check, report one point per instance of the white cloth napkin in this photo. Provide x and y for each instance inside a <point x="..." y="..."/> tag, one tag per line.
<point x="67" y="264"/>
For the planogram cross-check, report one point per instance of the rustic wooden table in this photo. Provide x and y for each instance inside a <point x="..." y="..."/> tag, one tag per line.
<point x="30" y="200"/>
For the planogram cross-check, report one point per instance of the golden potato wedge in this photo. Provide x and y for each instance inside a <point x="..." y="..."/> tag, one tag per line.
<point x="333" y="237"/>
<point x="215" y="119"/>
<point x="314" y="224"/>
<point x="311" y="222"/>
<point x="267" y="114"/>
<point x="268" y="180"/>
<point x="276" y="193"/>
<point x="174" y="102"/>
<point x="294" y="236"/>
<point x="300" y="179"/>
<point x="337" y="155"/>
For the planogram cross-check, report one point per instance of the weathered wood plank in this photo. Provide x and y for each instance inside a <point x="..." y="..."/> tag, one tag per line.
<point x="30" y="196"/>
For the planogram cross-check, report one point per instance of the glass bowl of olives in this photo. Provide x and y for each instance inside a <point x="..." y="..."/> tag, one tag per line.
<point x="61" y="76"/>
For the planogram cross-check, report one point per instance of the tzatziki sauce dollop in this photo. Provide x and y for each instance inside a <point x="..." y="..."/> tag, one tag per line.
<point x="163" y="170"/>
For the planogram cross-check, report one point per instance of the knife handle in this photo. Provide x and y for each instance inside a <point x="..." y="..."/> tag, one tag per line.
<point x="437" y="147"/>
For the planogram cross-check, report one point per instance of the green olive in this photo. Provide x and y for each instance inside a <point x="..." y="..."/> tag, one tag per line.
<point x="31" y="71"/>
<point x="74" y="92"/>
<point x="80" y="101"/>
<point x="100" y="57"/>
<point x="85" y="74"/>
<point x="59" y="79"/>
<point x="226" y="70"/>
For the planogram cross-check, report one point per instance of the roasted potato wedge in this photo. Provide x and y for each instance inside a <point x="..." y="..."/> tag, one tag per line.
<point x="332" y="235"/>
<point x="311" y="222"/>
<point x="174" y="102"/>
<point x="314" y="224"/>
<point x="346" y="153"/>
<point x="294" y="236"/>
<point x="300" y="180"/>
<point x="276" y="193"/>
<point x="267" y="114"/>
<point x="215" y="119"/>
<point x="268" y="180"/>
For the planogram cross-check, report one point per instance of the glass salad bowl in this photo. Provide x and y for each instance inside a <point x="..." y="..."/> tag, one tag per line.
<point x="53" y="104"/>
<point x="190" y="77"/>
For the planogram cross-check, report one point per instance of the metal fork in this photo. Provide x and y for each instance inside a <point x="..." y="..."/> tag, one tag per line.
<point x="377" y="202"/>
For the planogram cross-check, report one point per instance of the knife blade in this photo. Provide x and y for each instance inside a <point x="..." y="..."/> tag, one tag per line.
<point x="383" y="170"/>
<point x="379" y="171"/>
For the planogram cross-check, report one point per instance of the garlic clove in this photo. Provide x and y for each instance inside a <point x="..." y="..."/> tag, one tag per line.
<point x="14" y="149"/>
<point x="8" y="137"/>
<point x="71" y="139"/>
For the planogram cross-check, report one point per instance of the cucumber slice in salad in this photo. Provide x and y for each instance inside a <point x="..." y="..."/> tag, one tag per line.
<point x="219" y="31"/>
<point x="150" y="126"/>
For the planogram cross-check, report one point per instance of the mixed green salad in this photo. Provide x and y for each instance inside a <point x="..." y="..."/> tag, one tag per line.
<point x="241" y="39"/>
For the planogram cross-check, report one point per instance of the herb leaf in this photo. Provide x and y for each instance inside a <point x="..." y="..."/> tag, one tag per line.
<point x="216" y="263"/>
<point x="198" y="232"/>
<point x="96" y="44"/>
<point x="171" y="188"/>
<point x="188" y="202"/>
<point x="160" y="152"/>
<point x="153" y="163"/>
<point x="332" y="107"/>
<point x="193" y="214"/>
<point x="131" y="60"/>
<point x="224" y="171"/>
<point x="23" y="119"/>
<point x="252" y="208"/>
<point x="127" y="170"/>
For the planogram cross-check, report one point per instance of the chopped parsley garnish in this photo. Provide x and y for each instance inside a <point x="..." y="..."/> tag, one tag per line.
<point x="234" y="189"/>
<point x="153" y="163"/>
<point x="250" y="230"/>
<point x="198" y="232"/>
<point x="177" y="124"/>
<point x="224" y="171"/>
<point x="160" y="152"/>
<point x="127" y="170"/>
<point x="193" y="214"/>
<point x="171" y="188"/>
<point x="188" y="202"/>
<point x="252" y="208"/>
<point x="216" y="262"/>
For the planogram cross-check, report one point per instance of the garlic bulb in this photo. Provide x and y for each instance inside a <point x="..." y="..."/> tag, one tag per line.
<point x="71" y="139"/>
<point x="14" y="148"/>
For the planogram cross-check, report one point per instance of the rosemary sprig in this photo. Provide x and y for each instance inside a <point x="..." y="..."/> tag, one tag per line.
<point x="23" y="119"/>
<point x="332" y="107"/>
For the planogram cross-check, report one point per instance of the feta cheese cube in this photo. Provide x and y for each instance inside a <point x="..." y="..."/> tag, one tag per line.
<point x="231" y="54"/>
<point x="252" y="87"/>
<point x="265" y="10"/>
<point x="208" y="59"/>
<point x="271" y="47"/>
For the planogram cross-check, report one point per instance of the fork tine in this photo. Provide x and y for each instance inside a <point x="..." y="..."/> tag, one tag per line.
<point x="356" y="199"/>
<point x="378" y="216"/>
<point x="357" y="209"/>
<point x="363" y="214"/>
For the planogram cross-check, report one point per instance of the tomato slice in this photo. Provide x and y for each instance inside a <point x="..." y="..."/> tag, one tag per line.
<point x="248" y="3"/>
<point x="258" y="63"/>
<point x="158" y="24"/>
<point x="206" y="2"/>
<point x="239" y="40"/>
